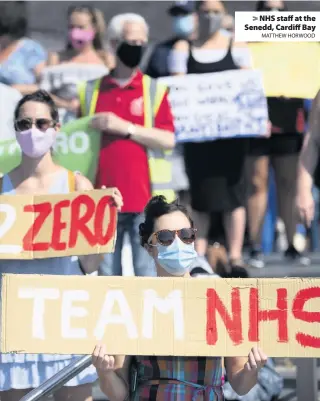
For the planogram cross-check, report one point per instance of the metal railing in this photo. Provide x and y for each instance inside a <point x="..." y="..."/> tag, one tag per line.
<point x="58" y="380"/>
<point x="306" y="379"/>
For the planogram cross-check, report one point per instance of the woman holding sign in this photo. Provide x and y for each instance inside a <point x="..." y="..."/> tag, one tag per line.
<point x="37" y="124"/>
<point x="168" y="234"/>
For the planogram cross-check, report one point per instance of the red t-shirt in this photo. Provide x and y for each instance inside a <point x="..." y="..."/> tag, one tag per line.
<point x="123" y="163"/>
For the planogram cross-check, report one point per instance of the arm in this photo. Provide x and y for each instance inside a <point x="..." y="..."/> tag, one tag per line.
<point x="91" y="263"/>
<point x="310" y="150"/>
<point x="242" y="372"/>
<point x="178" y="58"/>
<point x="307" y="164"/>
<point x="161" y="137"/>
<point x="115" y="383"/>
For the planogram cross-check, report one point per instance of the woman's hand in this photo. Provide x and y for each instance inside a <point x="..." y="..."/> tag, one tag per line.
<point x="256" y="360"/>
<point x="117" y="197"/>
<point x="103" y="362"/>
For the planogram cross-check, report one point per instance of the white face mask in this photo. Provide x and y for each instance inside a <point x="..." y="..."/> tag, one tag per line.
<point x="35" y="143"/>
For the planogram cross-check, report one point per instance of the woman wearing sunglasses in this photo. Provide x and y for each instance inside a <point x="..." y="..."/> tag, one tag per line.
<point x="36" y="125"/>
<point x="168" y="235"/>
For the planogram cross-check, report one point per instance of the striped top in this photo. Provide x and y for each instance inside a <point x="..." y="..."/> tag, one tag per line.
<point x="179" y="379"/>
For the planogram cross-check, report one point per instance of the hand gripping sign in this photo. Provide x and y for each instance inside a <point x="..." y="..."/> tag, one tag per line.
<point x="45" y="226"/>
<point x="65" y="314"/>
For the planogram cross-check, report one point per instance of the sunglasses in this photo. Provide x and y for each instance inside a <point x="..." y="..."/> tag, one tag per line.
<point x="166" y="237"/>
<point x="26" y="123"/>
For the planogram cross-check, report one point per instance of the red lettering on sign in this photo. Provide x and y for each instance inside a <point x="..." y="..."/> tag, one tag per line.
<point x="103" y="239"/>
<point x="78" y="223"/>
<point x="43" y="210"/>
<point x="256" y="315"/>
<point x="58" y="226"/>
<point x="301" y="298"/>
<point x="233" y="323"/>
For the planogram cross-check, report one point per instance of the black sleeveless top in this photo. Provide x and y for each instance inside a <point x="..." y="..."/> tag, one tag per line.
<point x="225" y="64"/>
<point x="215" y="168"/>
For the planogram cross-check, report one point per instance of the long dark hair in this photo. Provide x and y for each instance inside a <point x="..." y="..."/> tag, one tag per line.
<point x="98" y="38"/>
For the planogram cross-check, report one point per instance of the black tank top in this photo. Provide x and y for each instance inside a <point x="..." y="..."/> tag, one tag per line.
<point x="225" y="64"/>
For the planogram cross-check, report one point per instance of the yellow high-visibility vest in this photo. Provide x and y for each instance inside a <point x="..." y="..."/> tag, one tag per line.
<point x="160" y="164"/>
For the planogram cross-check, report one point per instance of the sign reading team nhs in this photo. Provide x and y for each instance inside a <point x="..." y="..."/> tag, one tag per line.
<point x="218" y="105"/>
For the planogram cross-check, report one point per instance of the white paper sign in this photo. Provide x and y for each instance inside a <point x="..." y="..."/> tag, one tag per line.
<point x="218" y="105"/>
<point x="61" y="80"/>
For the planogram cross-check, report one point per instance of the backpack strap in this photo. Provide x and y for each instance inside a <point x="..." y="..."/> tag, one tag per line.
<point x="71" y="181"/>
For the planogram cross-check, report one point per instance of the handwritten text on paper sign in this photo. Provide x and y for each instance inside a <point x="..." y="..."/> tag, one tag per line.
<point x="218" y="105"/>
<point x="202" y="317"/>
<point x="43" y="226"/>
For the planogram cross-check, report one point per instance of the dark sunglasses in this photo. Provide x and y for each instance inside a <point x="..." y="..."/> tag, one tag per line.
<point x="41" y="123"/>
<point x="166" y="237"/>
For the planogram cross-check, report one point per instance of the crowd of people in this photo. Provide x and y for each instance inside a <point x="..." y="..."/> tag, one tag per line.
<point x="221" y="186"/>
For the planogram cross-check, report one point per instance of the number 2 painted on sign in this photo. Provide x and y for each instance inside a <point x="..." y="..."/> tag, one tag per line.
<point x="9" y="221"/>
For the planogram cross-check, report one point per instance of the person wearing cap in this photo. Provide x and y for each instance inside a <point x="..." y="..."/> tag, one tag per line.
<point x="183" y="14"/>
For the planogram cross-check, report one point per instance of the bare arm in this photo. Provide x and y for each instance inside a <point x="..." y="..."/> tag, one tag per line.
<point x="242" y="372"/>
<point x="178" y="58"/>
<point x="310" y="150"/>
<point x="153" y="138"/>
<point x="115" y="383"/>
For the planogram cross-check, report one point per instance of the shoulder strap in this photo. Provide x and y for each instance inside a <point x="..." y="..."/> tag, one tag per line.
<point x="1" y="184"/>
<point x="71" y="181"/>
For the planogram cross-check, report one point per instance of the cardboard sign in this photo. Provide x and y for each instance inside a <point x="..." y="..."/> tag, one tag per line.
<point x="45" y="226"/>
<point x="65" y="314"/>
<point x="289" y="69"/>
<point x="76" y="148"/>
<point x="218" y="105"/>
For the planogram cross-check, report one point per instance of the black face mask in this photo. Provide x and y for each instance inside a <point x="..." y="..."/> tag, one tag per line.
<point x="130" y="55"/>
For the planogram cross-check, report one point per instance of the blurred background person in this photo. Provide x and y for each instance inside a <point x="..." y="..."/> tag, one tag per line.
<point x="83" y="58"/>
<point x="21" y="59"/>
<point x="308" y="164"/>
<point x="86" y="28"/>
<point x="182" y="14"/>
<point x="216" y="169"/>
<point x="281" y="150"/>
<point x="130" y="136"/>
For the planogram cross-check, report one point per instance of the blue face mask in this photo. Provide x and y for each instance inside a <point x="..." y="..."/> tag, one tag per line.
<point x="177" y="258"/>
<point x="183" y="25"/>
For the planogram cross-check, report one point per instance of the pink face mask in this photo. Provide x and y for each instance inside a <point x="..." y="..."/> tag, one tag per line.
<point x="35" y="143"/>
<point x="80" y="37"/>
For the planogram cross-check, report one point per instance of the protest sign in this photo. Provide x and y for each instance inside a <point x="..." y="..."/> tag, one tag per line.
<point x="61" y="80"/>
<point x="289" y="69"/>
<point x="76" y="148"/>
<point x="45" y="226"/>
<point x="218" y="105"/>
<point x="61" y="314"/>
